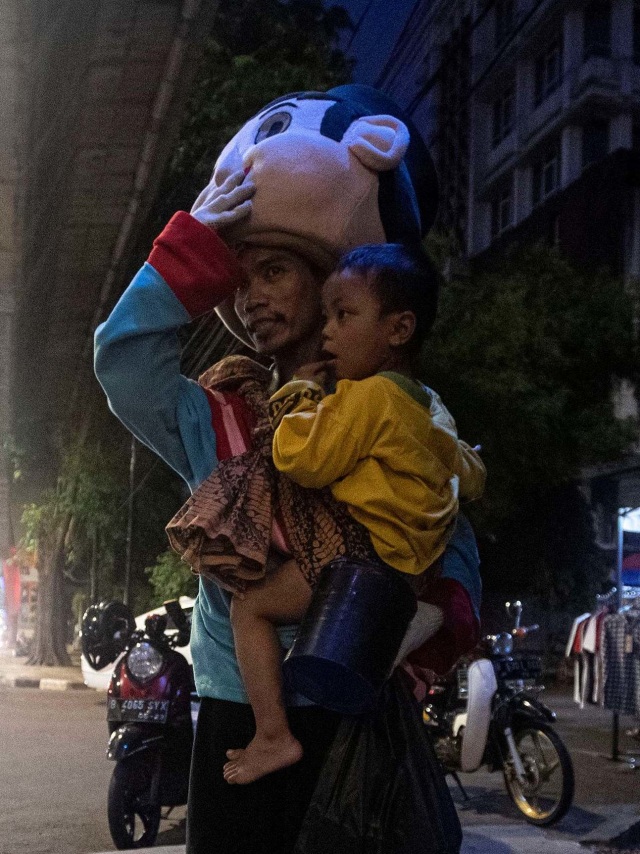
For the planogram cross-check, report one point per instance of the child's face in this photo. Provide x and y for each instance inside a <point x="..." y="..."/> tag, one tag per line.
<point x="355" y="334"/>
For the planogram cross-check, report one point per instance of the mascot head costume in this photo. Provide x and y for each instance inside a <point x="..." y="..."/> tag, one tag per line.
<point x="332" y="170"/>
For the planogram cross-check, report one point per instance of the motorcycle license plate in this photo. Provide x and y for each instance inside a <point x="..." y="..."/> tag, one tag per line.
<point x="523" y="667"/>
<point x="462" y="677"/>
<point x="148" y="711"/>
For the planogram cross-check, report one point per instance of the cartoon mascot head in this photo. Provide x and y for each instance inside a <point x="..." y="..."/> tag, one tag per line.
<point x="332" y="170"/>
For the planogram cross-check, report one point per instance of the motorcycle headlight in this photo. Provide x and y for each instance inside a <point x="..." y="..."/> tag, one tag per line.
<point x="502" y="644"/>
<point x="144" y="662"/>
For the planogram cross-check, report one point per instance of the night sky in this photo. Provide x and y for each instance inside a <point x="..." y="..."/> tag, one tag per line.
<point x="380" y="24"/>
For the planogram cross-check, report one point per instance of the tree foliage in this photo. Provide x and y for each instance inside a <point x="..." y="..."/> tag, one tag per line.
<point x="75" y="525"/>
<point x="170" y="578"/>
<point x="526" y="353"/>
<point x="90" y="492"/>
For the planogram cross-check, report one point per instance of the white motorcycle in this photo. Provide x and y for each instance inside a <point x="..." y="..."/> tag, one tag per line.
<point x="489" y="713"/>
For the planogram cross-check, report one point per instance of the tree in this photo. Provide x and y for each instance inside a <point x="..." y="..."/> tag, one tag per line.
<point x="171" y="578"/>
<point x="75" y="526"/>
<point x="526" y="353"/>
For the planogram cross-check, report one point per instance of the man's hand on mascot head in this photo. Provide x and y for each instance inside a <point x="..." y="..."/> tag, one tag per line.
<point x="219" y="207"/>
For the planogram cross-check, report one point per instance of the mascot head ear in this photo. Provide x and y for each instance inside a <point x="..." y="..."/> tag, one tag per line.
<point x="379" y="142"/>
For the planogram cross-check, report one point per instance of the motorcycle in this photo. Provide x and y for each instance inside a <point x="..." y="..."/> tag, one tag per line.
<point x="489" y="713"/>
<point x="149" y="718"/>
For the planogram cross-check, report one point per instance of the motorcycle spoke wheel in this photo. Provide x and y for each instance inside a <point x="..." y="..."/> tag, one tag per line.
<point x="547" y="792"/>
<point x="133" y="820"/>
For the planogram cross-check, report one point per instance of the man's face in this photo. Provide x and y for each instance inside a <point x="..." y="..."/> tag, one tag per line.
<point x="279" y="301"/>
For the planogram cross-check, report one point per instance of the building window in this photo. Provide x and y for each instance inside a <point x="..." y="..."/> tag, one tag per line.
<point x="595" y="141"/>
<point x="505" y="19"/>
<point x="597" y="29"/>
<point x="548" y="71"/>
<point x="546" y="175"/>
<point x="503" y="115"/>
<point x="502" y="212"/>
<point x="636" y="32"/>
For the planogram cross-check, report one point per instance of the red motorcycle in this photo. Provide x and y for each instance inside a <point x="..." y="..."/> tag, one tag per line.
<point x="148" y="713"/>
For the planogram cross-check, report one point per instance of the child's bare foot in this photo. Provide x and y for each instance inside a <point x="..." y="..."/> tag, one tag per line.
<point x="261" y="757"/>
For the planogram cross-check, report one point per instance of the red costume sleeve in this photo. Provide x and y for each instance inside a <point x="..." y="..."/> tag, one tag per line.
<point x="196" y="264"/>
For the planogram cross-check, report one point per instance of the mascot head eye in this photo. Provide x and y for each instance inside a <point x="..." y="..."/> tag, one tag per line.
<point x="272" y="125"/>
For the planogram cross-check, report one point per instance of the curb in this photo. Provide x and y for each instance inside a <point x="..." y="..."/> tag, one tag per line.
<point x="160" y="849"/>
<point x="513" y="839"/>
<point x="44" y="684"/>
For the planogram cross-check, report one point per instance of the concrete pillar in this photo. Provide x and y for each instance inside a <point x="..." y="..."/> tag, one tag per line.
<point x="570" y="154"/>
<point x="622" y="29"/>
<point x="573" y="42"/>
<point x="522" y="198"/>
<point x="525" y="78"/>
<point x="11" y="144"/>
<point x="620" y="131"/>
<point x="477" y="148"/>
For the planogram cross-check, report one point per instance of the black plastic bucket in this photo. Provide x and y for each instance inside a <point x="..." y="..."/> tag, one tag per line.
<point x="348" y="639"/>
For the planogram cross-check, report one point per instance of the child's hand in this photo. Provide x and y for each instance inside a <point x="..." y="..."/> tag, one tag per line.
<point x="219" y="207"/>
<point x="316" y="372"/>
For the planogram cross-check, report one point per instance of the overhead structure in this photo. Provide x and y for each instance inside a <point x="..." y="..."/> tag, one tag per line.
<point x="94" y="93"/>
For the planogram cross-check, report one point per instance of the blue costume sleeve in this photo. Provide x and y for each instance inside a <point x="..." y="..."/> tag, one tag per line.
<point x="461" y="561"/>
<point x="137" y="362"/>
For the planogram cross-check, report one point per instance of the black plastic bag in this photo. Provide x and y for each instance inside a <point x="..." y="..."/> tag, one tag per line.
<point x="382" y="790"/>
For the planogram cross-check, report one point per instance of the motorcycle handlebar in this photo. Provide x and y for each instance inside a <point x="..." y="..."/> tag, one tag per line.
<point x="523" y="631"/>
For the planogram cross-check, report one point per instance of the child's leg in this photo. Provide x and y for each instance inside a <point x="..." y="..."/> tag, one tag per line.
<point x="281" y="598"/>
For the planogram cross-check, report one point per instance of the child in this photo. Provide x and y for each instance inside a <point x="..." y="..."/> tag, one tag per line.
<point x="384" y="444"/>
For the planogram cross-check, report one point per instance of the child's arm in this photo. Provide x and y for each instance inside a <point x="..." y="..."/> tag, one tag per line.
<point x="320" y="439"/>
<point x="472" y="474"/>
<point x="468" y="467"/>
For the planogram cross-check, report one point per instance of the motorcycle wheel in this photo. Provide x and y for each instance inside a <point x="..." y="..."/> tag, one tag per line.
<point x="133" y="821"/>
<point x="548" y="791"/>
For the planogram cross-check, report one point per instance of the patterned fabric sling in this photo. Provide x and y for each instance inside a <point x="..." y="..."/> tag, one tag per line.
<point x="224" y="530"/>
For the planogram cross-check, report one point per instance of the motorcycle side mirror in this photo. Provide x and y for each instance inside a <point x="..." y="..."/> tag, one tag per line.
<point x="180" y="619"/>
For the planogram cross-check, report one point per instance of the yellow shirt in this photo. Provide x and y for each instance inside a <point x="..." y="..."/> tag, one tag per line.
<point x="392" y="455"/>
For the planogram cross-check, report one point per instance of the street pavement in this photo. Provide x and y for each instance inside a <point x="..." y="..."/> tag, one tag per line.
<point x="605" y="816"/>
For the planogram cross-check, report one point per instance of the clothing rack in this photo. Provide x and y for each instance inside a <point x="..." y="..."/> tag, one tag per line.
<point x="620" y="600"/>
<point x="630" y="595"/>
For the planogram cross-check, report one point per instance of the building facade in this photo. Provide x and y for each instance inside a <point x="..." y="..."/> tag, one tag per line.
<point x="532" y="109"/>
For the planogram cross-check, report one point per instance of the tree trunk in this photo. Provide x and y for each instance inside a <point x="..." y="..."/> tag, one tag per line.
<point x="50" y="647"/>
<point x="93" y="570"/>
